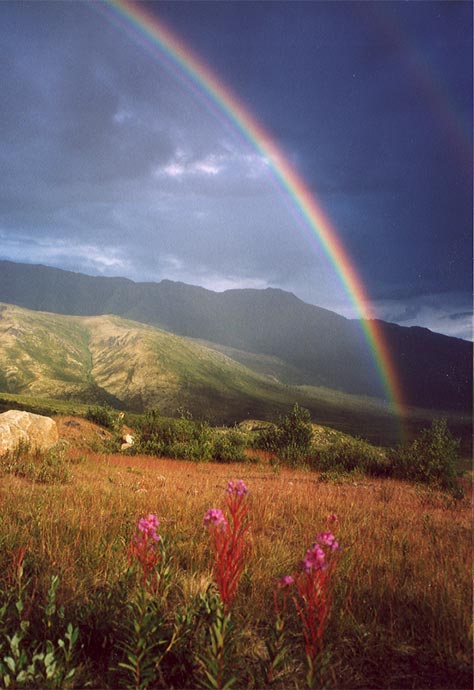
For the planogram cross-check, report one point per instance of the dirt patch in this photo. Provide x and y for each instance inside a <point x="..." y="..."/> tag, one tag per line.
<point x="82" y="434"/>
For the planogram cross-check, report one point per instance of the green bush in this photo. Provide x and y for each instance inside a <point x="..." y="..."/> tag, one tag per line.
<point x="183" y="438"/>
<point x="37" y="649"/>
<point x="291" y="439"/>
<point x="229" y="446"/>
<point x="104" y="416"/>
<point x="431" y="458"/>
<point x="187" y="439"/>
<point x="349" y="454"/>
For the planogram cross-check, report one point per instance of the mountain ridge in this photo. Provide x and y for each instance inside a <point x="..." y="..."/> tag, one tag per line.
<point x="321" y="348"/>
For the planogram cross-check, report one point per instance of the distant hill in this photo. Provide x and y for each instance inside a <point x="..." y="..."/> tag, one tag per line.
<point x="297" y="343"/>
<point x="133" y="366"/>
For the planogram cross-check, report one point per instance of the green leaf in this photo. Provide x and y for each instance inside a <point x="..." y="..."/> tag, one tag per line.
<point x="212" y="680"/>
<point x="229" y="683"/>
<point x="49" y="659"/>
<point x="10" y="662"/>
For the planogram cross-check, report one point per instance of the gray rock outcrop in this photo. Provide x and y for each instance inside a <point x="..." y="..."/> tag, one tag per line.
<point x="16" y="425"/>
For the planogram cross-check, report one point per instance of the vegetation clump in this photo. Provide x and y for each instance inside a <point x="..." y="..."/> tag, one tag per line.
<point x="103" y="416"/>
<point x="291" y="439"/>
<point x="47" y="467"/>
<point x="431" y="458"/>
<point x="186" y="438"/>
<point x="353" y="454"/>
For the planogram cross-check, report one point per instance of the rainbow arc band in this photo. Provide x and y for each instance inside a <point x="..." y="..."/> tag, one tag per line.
<point x="135" y="17"/>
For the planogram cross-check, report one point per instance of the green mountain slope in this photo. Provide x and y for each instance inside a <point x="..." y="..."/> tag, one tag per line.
<point x="106" y="359"/>
<point x="133" y="366"/>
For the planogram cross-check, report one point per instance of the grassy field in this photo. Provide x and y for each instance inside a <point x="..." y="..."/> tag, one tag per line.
<point x="401" y="610"/>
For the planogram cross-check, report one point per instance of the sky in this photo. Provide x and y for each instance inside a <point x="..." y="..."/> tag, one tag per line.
<point x="112" y="164"/>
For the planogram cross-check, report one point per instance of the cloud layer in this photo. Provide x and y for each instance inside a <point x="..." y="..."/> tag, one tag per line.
<point x="111" y="165"/>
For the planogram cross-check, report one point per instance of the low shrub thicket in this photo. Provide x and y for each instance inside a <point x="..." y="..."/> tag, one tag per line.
<point x="229" y="446"/>
<point x="103" y="416"/>
<point x="187" y="439"/>
<point x="353" y="454"/>
<point x="431" y="458"/>
<point x="291" y="439"/>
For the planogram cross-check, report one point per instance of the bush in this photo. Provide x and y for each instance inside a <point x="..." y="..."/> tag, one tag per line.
<point x="291" y="439"/>
<point x="229" y="446"/>
<point x="349" y="454"/>
<point x="187" y="439"/>
<point x="430" y="459"/>
<point x="104" y="416"/>
<point x="183" y="438"/>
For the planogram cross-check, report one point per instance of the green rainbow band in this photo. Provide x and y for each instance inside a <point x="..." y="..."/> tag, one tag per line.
<point x="291" y="182"/>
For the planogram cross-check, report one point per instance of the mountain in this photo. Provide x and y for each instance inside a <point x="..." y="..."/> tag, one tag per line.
<point x="313" y="346"/>
<point x="133" y="366"/>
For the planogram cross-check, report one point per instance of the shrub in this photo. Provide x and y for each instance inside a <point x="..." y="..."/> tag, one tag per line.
<point x="291" y="439"/>
<point x="104" y="416"/>
<point x="430" y="459"/>
<point x="183" y="438"/>
<point x="229" y="446"/>
<point x="349" y="454"/>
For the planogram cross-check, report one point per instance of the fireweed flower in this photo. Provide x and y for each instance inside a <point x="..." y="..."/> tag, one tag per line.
<point x="328" y="539"/>
<point x="315" y="559"/>
<point x="312" y="597"/>
<point x="228" y="533"/>
<point x="143" y="547"/>
<point x="216" y="518"/>
<point x="239" y="489"/>
<point x="149" y="526"/>
<point x="286" y="581"/>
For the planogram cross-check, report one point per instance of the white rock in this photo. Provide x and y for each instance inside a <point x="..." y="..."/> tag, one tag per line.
<point x="15" y="426"/>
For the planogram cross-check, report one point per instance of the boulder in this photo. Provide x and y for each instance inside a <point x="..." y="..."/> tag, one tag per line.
<point x="127" y="442"/>
<point x="16" y="425"/>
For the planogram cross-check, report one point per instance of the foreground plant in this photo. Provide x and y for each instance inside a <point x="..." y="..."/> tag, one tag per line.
<point x="312" y="598"/>
<point x="228" y="535"/>
<point x="310" y="591"/>
<point x="26" y="662"/>
<point x="144" y="632"/>
<point x="276" y="644"/>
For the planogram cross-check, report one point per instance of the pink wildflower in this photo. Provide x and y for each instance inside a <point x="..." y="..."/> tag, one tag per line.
<point x="332" y="519"/>
<point x="229" y="541"/>
<point x="286" y="581"/>
<point x="143" y="548"/>
<point x="328" y="539"/>
<point x="148" y="526"/>
<point x="238" y="489"/>
<point x="216" y="518"/>
<point x="314" y="559"/>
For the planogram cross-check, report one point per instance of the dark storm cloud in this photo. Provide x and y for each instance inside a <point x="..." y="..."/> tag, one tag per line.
<point x="110" y="164"/>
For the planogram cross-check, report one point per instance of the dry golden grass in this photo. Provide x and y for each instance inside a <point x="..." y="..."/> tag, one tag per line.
<point x="402" y="612"/>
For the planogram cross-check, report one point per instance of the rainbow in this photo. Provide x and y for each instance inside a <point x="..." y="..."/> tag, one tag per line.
<point x="160" y="39"/>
